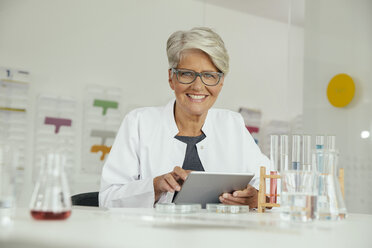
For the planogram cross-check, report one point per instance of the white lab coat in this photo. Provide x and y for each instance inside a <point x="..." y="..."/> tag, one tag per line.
<point x="145" y="148"/>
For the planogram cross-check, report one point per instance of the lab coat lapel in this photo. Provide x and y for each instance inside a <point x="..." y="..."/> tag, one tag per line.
<point x="178" y="147"/>
<point x="203" y="146"/>
<point x="169" y="117"/>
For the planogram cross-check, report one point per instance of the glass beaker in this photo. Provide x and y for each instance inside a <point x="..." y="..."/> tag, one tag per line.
<point x="51" y="197"/>
<point x="7" y="185"/>
<point x="298" y="185"/>
<point x="298" y="196"/>
<point x="331" y="205"/>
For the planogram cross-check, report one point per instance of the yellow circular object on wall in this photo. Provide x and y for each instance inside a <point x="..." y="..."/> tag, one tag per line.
<point x="341" y="90"/>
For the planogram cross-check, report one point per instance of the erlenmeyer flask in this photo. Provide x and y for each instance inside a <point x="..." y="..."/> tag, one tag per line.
<point x="331" y="205"/>
<point x="51" y="197"/>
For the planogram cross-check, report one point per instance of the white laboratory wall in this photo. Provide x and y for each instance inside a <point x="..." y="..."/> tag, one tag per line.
<point x="259" y="52"/>
<point x="69" y="44"/>
<point x="338" y="39"/>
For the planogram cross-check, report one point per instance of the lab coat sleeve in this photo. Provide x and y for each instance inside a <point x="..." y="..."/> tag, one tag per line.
<point x="254" y="158"/>
<point x="121" y="182"/>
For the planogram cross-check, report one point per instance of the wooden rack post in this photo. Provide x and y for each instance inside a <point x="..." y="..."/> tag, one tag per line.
<point x="341" y="178"/>
<point x="262" y="204"/>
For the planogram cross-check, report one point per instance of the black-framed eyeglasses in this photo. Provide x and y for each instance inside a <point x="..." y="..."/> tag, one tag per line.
<point x="189" y="76"/>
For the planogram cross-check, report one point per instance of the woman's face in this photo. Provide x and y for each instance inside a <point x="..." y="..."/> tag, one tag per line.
<point x="195" y="98"/>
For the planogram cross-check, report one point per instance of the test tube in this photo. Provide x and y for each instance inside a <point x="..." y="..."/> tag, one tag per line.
<point x="331" y="146"/>
<point x="306" y="152"/>
<point x="319" y="145"/>
<point x="331" y="142"/>
<point x="319" y="154"/>
<point x="296" y="152"/>
<point x="274" y="159"/>
<point x="274" y="152"/>
<point x="319" y="142"/>
<point x="283" y="153"/>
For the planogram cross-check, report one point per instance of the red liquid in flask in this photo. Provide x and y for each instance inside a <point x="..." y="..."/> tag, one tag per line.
<point x="273" y="187"/>
<point x="41" y="215"/>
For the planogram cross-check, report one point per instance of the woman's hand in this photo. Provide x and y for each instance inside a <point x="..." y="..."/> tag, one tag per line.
<point x="170" y="182"/>
<point x="248" y="196"/>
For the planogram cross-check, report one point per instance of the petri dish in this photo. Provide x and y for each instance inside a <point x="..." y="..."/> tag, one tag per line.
<point x="172" y="208"/>
<point x="227" y="209"/>
<point x="212" y="207"/>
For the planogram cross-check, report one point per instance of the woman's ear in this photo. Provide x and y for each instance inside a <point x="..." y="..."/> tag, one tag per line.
<point x="170" y="79"/>
<point x="222" y="80"/>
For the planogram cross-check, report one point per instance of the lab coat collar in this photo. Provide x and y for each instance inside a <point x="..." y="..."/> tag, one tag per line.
<point x="169" y="112"/>
<point x="206" y="126"/>
<point x="173" y="129"/>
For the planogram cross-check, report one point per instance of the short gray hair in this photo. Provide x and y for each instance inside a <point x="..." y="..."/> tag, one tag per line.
<point x="201" y="38"/>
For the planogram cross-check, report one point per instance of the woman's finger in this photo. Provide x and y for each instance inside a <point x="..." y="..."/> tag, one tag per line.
<point x="251" y="201"/>
<point x="165" y="187"/>
<point x="180" y="173"/>
<point x="241" y="193"/>
<point x="172" y="182"/>
<point x="240" y="200"/>
<point x="229" y="202"/>
<point x="248" y="192"/>
<point x="161" y="185"/>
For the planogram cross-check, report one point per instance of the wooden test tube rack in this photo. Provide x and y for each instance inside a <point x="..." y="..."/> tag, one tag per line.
<point x="262" y="204"/>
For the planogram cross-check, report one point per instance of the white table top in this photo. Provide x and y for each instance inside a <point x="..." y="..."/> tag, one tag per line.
<point x="95" y="227"/>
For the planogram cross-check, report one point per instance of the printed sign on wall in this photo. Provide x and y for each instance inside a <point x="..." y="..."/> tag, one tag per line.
<point x="252" y="120"/>
<point x="14" y="88"/>
<point x="55" y="131"/>
<point x="102" y="118"/>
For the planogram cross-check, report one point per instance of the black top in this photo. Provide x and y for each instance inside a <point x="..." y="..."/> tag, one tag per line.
<point x="192" y="160"/>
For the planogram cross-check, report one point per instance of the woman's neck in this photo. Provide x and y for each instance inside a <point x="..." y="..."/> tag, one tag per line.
<point x="188" y="125"/>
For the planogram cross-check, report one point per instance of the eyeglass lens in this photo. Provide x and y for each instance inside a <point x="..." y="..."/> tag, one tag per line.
<point x="208" y="78"/>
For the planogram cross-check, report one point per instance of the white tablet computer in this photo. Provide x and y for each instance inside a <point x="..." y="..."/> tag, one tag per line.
<point x="205" y="187"/>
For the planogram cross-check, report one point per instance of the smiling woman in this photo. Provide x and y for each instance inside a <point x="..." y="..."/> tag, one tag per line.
<point x="157" y="147"/>
<point x="194" y="99"/>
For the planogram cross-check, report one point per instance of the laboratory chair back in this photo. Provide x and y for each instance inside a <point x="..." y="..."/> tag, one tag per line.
<point x="89" y="199"/>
